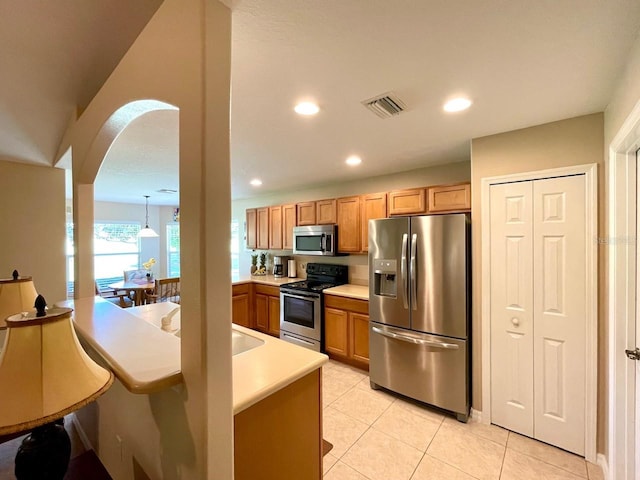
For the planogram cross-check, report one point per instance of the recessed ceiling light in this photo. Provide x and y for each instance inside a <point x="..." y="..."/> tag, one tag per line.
<point x="256" y="182"/>
<point x="306" y="108"/>
<point x="353" y="160"/>
<point x="167" y="190"/>
<point x="457" y="104"/>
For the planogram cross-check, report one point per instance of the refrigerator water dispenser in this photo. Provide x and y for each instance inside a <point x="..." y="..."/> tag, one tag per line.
<point x="385" y="278"/>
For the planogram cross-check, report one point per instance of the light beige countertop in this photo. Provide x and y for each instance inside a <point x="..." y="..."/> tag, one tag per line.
<point x="143" y="357"/>
<point x="263" y="370"/>
<point x="360" y="292"/>
<point x="146" y="359"/>
<point x="264" y="279"/>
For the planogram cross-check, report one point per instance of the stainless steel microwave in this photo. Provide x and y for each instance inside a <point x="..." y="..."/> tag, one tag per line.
<point x="315" y="240"/>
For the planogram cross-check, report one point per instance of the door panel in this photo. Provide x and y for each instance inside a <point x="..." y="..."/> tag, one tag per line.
<point x="512" y="307"/>
<point x="385" y="242"/>
<point x="440" y="303"/>
<point x="559" y="311"/>
<point x="428" y="368"/>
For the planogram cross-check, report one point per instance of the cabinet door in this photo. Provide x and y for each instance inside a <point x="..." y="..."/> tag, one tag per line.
<point x="288" y="222"/>
<point x="306" y="213"/>
<point x="240" y="310"/>
<point x="263" y="228"/>
<point x="349" y="224"/>
<point x="336" y="331"/>
<point x="251" y="228"/>
<point x="275" y="228"/>
<point x="372" y="206"/>
<point x="359" y="337"/>
<point x="326" y="212"/>
<point x="274" y="316"/>
<point x="262" y="312"/>
<point x="407" y="202"/>
<point x="449" y="198"/>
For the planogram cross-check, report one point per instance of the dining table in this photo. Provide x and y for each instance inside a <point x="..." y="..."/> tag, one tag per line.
<point x="138" y="289"/>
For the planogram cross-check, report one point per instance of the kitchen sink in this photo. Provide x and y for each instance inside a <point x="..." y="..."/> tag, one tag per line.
<point x="241" y="342"/>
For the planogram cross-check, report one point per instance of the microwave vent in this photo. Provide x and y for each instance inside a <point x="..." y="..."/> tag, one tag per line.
<point x="386" y="105"/>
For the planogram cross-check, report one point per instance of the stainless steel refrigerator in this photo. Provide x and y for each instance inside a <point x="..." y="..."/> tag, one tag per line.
<point x="420" y="309"/>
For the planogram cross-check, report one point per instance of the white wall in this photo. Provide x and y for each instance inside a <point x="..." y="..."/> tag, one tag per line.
<point x="32" y="215"/>
<point x="358" y="270"/>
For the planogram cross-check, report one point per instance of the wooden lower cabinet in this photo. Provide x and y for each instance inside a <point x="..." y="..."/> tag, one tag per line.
<point x="267" y="302"/>
<point x="241" y="305"/>
<point x="280" y="437"/>
<point x="346" y="330"/>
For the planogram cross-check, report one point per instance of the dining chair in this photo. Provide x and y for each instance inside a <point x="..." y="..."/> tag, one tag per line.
<point x="137" y="276"/>
<point x="117" y="297"/>
<point x="166" y="290"/>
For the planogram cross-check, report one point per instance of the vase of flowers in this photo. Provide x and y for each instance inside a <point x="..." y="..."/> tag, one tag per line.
<point x="147" y="266"/>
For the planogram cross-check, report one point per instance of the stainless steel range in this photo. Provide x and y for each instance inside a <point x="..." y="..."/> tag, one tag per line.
<point x="302" y="305"/>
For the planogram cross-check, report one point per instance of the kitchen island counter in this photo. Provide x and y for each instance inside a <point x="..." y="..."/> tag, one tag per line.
<point x="146" y="359"/>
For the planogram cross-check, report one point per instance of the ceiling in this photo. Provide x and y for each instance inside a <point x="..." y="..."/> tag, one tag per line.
<point x="522" y="63"/>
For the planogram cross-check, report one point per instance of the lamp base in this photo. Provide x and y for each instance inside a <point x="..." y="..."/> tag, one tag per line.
<point x="44" y="454"/>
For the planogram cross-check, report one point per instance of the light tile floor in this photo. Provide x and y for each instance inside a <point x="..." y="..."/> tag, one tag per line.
<point x="380" y="436"/>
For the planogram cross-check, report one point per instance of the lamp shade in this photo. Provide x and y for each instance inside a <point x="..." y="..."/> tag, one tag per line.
<point x="16" y="296"/>
<point x="44" y="372"/>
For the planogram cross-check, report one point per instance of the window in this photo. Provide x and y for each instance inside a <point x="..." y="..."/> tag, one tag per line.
<point x="116" y="248"/>
<point x="235" y="248"/>
<point x="173" y="249"/>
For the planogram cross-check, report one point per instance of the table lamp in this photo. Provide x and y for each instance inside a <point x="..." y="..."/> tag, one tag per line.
<point x="44" y="375"/>
<point x="16" y="295"/>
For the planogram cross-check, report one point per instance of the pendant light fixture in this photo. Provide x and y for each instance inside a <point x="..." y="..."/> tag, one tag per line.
<point x="147" y="232"/>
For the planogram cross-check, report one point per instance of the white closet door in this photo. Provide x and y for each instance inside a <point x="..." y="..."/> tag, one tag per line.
<point x="512" y="306"/>
<point x="559" y="311"/>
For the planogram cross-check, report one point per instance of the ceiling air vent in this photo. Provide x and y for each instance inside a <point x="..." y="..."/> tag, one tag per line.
<point x="385" y="105"/>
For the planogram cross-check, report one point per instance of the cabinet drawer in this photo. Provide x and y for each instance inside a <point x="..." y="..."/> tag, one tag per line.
<point x="239" y="289"/>
<point x="268" y="290"/>
<point x="346" y="303"/>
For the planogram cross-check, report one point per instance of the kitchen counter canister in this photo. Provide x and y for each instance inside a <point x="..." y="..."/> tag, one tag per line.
<point x="360" y="292"/>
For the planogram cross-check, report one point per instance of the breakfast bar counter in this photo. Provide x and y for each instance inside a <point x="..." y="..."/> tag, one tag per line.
<point x="147" y="359"/>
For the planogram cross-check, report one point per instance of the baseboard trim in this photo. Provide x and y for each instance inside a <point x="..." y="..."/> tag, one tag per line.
<point x="81" y="434"/>
<point x="476" y="416"/>
<point x="602" y="461"/>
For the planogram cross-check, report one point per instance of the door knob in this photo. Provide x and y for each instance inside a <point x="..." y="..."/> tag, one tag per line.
<point x="515" y="321"/>
<point x="633" y="354"/>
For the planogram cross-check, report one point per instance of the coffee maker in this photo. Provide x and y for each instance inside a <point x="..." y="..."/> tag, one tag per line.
<point x="280" y="266"/>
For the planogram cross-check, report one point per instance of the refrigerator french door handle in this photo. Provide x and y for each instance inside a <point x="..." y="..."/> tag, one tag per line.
<point x="403" y="270"/>
<point x="417" y="341"/>
<point x="412" y="272"/>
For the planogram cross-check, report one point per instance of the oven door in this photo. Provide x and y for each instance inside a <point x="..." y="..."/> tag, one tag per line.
<point x="300" y="312"/>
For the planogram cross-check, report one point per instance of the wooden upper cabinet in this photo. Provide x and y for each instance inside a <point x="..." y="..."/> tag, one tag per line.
<point x="288" y="222"/>
<point x="275" y="227"/>
<point x="372" y="206"/>
<point x="306" y="213"/>
<point x="251" y="228"/>
<point x="408" y="202"/>
<point x="449" y="198"/>
<point x="326" y="212"/>
<point x="262" y="241"/>
<point x="348" y="209"/>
